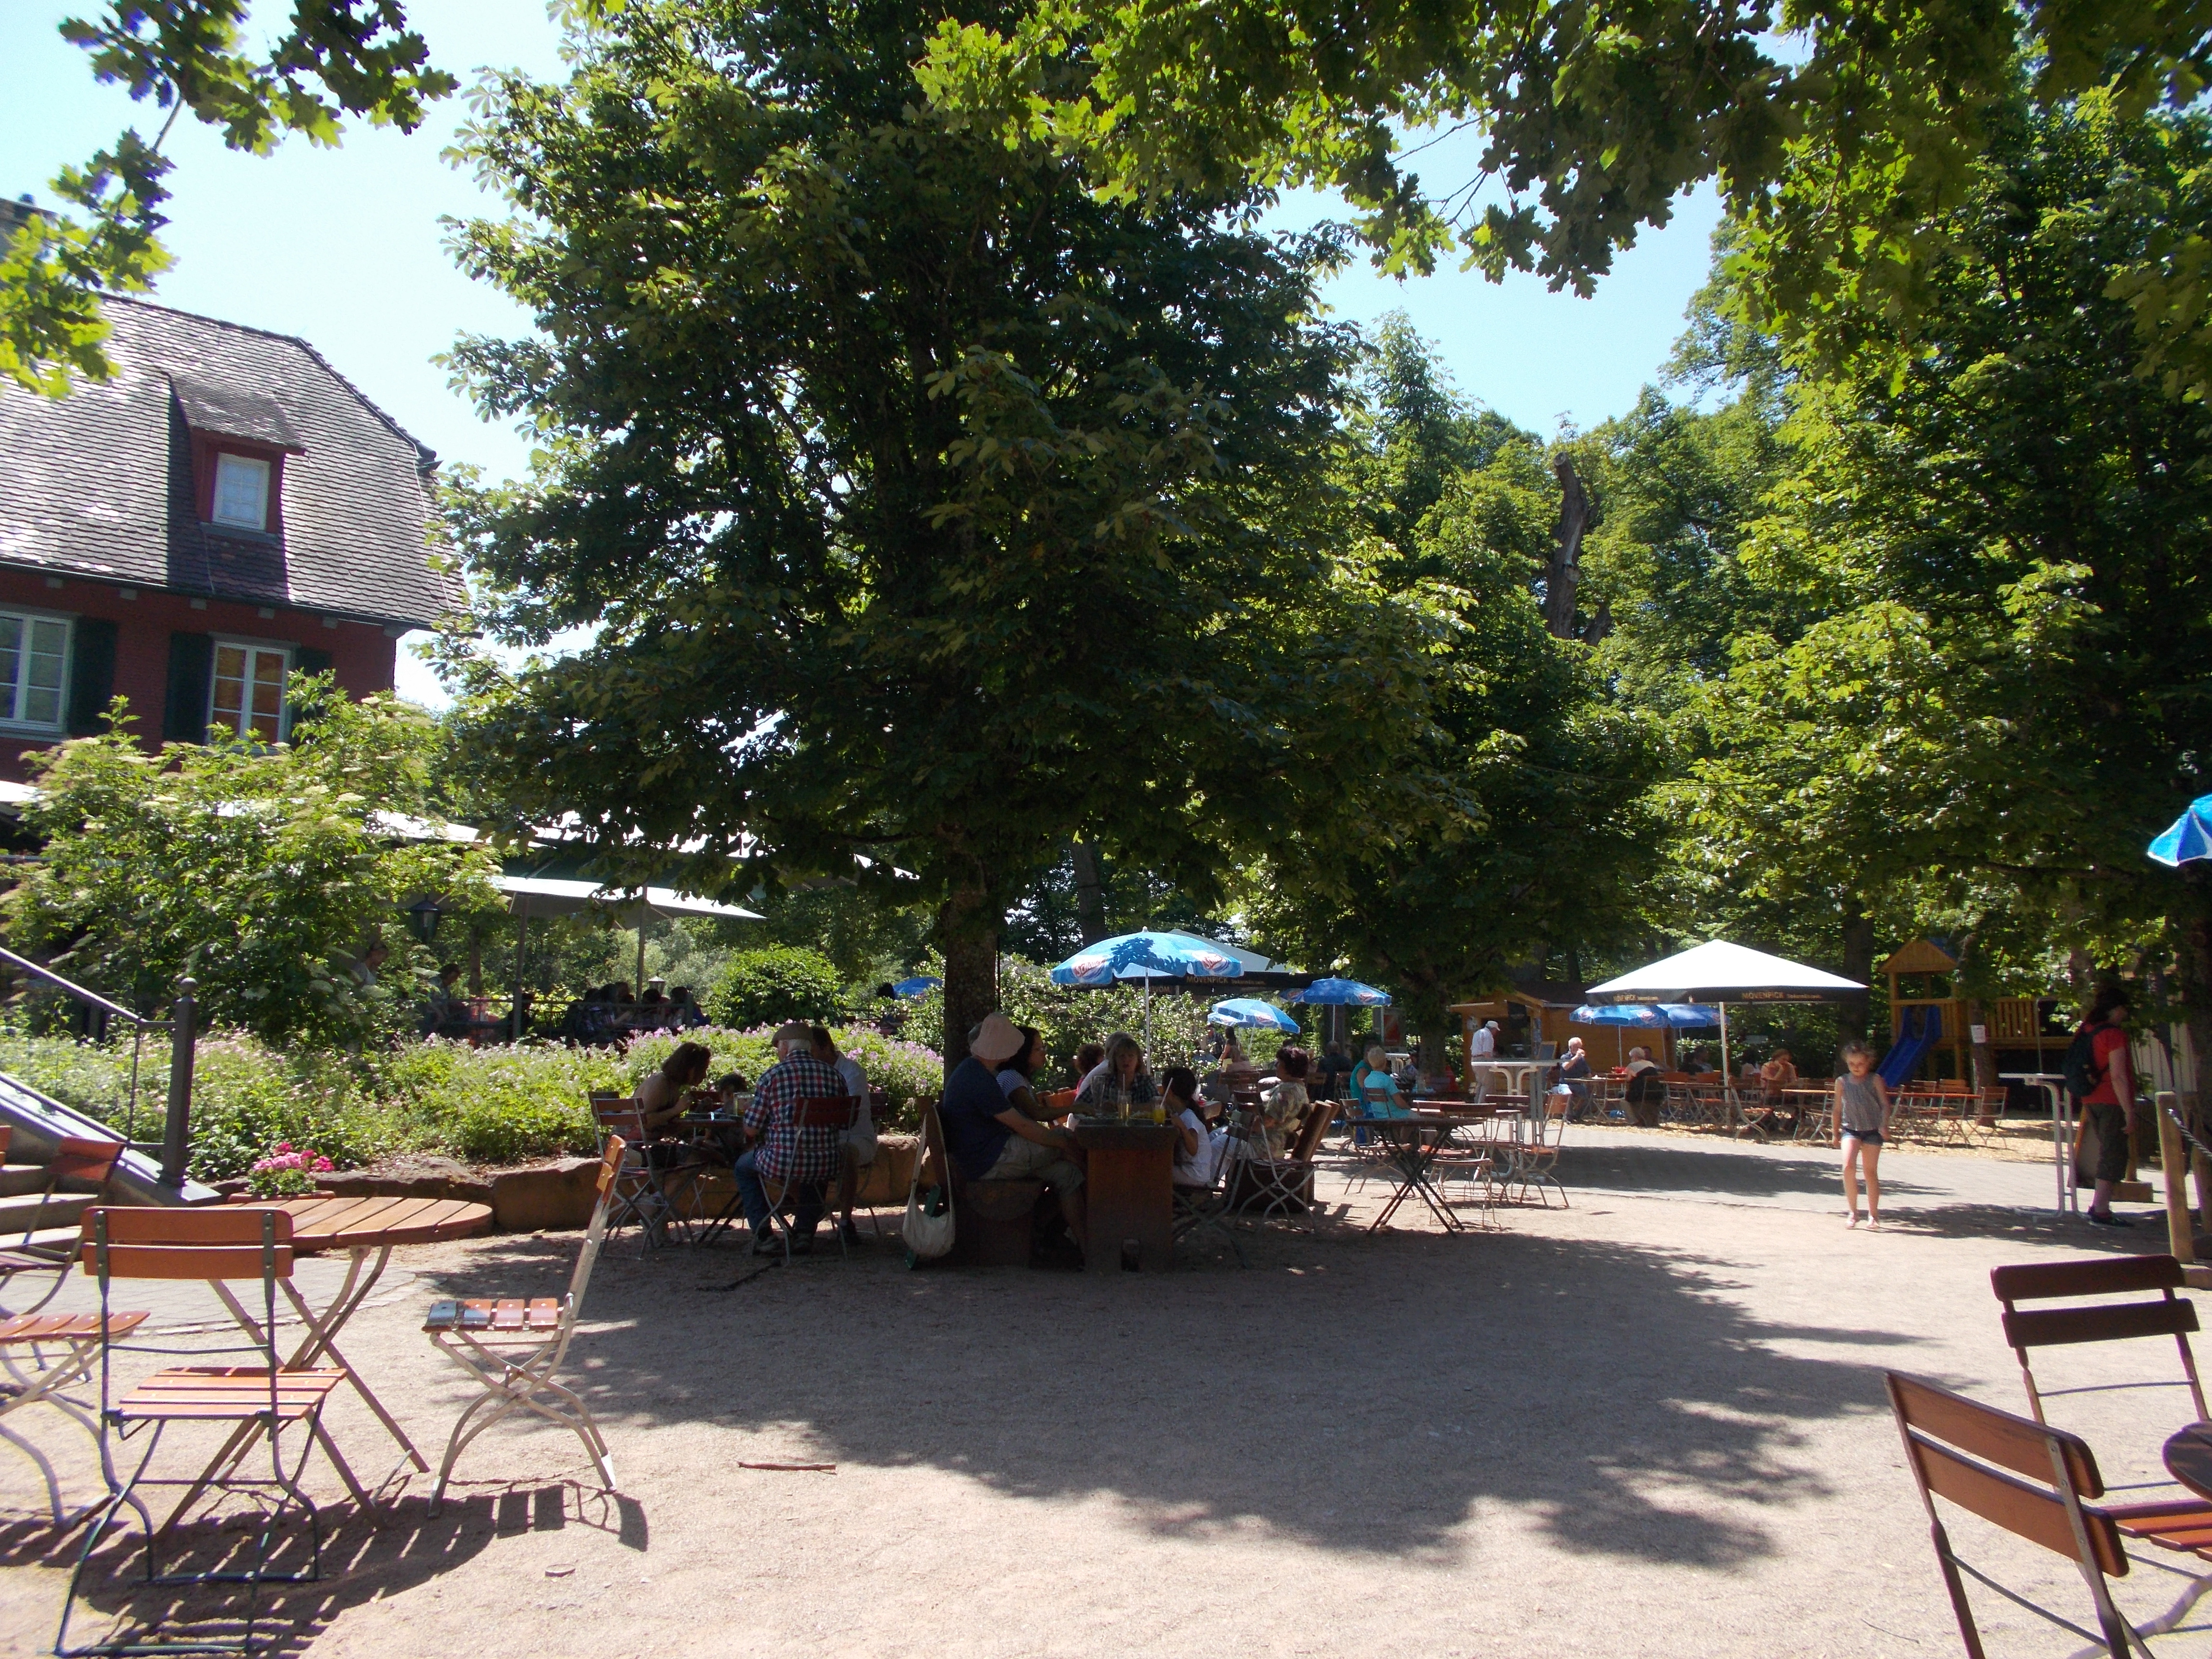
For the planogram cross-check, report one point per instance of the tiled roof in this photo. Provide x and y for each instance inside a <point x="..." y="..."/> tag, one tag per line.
<point x="100" y="484"/>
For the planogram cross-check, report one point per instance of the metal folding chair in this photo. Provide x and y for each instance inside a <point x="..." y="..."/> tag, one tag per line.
<point x="1536" y="1156"/>
<point x="823" y="1113"/>
<point x="513" y="1346"/>
<point x="47" y="1250"/>
<point x="2033" y="1482"/>
<point x="1267" y="1186"/>
<point x="646" y="1186"/>
<point x="219" y="1245"/>
<point x="61" y="1349"/>
<point x="1205" y="1209"/>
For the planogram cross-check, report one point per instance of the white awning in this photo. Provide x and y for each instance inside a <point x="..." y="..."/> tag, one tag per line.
<point x="555" y="896"/>
<point x="1721" y="972"/>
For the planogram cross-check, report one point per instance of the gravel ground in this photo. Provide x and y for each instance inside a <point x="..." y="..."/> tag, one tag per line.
<point x="1650" y="1423"/>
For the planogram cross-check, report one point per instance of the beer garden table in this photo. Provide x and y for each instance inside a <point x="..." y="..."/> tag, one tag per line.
<point x="1128" y="1193"/>
<point x="368" y="1230"/>
<point x="1414" y="1144"/>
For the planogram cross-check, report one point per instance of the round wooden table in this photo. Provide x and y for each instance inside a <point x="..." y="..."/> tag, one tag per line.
<point x="367" y="1227"/>
<point x="2189" y="1458"/>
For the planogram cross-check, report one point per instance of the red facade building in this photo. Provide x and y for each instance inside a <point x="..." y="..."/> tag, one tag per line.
<point x="224" y="510"/>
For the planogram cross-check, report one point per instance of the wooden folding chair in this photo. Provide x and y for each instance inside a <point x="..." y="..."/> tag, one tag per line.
<point x="513" y="1346"/>
<point x="646" y="1187"/>
<point x="1283" y="1186"/>
<point x="219" y="1245"/>
<point x="47" y="1250"/>
<point x="2162" y="1315"/>
<point x="1536" y="1158"/>
<point x="1204" y="1209"/>
<point x="832" y="1114"/>
<point x="2031" y="1480"/>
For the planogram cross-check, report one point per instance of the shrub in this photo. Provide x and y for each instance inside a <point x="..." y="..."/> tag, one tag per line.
<point x="496" y="1105"/>
<point x="783" y="982"/>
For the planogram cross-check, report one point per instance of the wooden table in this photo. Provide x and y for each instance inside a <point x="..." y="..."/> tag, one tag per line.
<point x="367" y="1227"/>
<point x="1129" y="1194"/>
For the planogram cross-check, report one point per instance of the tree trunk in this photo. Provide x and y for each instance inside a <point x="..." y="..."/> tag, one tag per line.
<point x="1598" y="626"/>
<point x="1089" y="891"/>
<point x="1565" y="572"/>
<point x="1858" y="964"/>
<point x="968" y="935"/>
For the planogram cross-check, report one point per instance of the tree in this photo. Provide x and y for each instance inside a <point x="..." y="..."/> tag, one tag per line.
<point x="1543" y="768"/>
<point x="339" y="59"/>
<point x="1839" y="141"/>
<point x="1998" y="691"/>
<point x="928" y="509"/>
<point x="258" y="871"/>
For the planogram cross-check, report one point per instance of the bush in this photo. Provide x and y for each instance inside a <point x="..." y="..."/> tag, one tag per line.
<point x="496" y="1105"/>
<point x="783" y="982"/>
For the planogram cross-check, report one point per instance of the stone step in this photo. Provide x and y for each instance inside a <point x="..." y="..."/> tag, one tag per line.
<point x="22" y="1178"/>
<point x="21" y="1210"/>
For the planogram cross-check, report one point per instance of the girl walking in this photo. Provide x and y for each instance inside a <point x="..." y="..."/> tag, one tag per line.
<point x="1861" y="1116"/>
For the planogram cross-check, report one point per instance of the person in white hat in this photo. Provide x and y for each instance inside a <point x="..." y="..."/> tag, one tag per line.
<point x="989" y="1139"/>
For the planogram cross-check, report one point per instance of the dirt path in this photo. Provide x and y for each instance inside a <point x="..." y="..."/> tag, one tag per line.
<point x="1649" y="1423"/>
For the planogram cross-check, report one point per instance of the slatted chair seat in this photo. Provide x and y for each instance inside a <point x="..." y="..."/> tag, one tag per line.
<point x="539" y="1313"/>
<point x="59" y="1328"/>
<point x="226" y="1393"/>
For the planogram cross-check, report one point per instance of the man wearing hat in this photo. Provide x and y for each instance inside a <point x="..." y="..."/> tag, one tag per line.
<point x="802" y="1161"/>
<point x="991" y="1140"/>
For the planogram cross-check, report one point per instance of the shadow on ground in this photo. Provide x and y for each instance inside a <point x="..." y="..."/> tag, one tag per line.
<point x="1358" y="1394"/>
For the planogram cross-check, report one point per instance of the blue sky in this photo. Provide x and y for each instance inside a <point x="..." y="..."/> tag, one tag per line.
<point x="345" y="248"/>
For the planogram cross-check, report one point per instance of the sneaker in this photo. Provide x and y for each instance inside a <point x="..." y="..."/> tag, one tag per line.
<point x="764" y="1242"/>
<point x="2108" y="1219"/>
<point x="1854" y="1221"/>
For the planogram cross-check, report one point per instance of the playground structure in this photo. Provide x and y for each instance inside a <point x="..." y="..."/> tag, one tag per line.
<point x="1931" y="1026"/>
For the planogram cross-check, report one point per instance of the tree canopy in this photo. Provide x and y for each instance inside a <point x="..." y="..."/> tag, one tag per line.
<point x="928" y="509"/>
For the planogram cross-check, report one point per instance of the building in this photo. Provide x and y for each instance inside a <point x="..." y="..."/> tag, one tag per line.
<point x="227" y="508"/>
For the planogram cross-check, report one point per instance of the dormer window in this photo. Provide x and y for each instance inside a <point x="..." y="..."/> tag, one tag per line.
<point x="241" y="491"/>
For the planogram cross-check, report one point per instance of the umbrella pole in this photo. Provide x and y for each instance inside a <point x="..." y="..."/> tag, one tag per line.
<point x="1148" y="1022"/>
<point x="644" y="912"/>
<point x="1727" y="1075"/>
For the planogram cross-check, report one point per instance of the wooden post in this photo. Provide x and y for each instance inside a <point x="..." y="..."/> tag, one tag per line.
<point x="2173" y="1161"/>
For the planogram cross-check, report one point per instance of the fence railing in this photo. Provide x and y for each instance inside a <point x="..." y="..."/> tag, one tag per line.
<point x="175" y="1144"/>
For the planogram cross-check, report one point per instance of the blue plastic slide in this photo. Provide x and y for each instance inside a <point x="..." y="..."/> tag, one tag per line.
<point x="1913" y="1040"/>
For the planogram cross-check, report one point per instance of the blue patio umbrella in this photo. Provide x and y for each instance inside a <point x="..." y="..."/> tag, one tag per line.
<point x="1648" y="1016"/>
<point x="1250" y="1012"/>
<point x="2189" y="838"/>
<point x="1341" y="994"/>
<point x="1148" y="956"/>
<point x="916" y="985"/>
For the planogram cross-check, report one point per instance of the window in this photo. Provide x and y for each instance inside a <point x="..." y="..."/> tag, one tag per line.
<point x="247" y="697"/>
<point x="242" y="492"/>
<point x="33" y="669"/>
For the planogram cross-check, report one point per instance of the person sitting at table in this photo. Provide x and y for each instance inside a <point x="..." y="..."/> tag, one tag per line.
<point x="1336" y="1066"/>
<point x="1647" y="1089"/>
<point x="1016" y="1077"/>
<point x="1118" y="1080"/>
<point x="1087" y="1061"/>
<point x="1284" y="1107"/>
<point x="661" y="1094"/>
<point x="445" y="1012"/>
<point x="1575" y="1070"/>
<point x="1198" y="1145"/>
<point x="1374" y="1090"/>
<point x="804" y="1161"/>
<point x="684" y="1010"/>
<point x="1695" y="1064"/>
<point x="989" y="1139"/>
<point x="1778" y="1073"/>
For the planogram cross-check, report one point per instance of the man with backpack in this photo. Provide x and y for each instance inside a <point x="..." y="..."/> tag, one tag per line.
<point x="2101" y="1076"/>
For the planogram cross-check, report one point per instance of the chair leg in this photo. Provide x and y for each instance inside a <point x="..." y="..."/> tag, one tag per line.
<point x="53" y="1486"/>
<point x="93" y="1534"/>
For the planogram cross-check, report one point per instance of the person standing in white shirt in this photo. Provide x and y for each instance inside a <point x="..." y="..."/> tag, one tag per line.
<point x="860" y="1143"/>
<point x="1481" y="1050"/>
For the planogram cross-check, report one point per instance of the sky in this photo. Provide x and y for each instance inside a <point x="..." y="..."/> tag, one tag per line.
<point x="345" y="248"/>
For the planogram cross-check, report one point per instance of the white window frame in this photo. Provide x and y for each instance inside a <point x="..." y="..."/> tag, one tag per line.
<point x="60" y="724"/>
<point x="215" y="488"/>
<point x="283" y="648"/>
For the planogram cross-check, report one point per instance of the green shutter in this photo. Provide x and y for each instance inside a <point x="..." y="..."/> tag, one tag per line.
<point x="191" y="671"/>
<point x="91" y="674"/>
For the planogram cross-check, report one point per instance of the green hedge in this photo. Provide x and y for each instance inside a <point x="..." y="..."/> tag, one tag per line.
<point x="491" y="1105"/>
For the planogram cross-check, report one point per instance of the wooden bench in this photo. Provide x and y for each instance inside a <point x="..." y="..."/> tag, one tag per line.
<point x="994" y="1222"/>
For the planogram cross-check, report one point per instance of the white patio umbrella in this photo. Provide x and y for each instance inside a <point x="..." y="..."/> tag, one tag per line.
<point x="561" y="895"/>
<point x="1720" y="973"/>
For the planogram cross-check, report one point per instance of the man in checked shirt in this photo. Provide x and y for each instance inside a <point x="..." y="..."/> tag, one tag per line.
<point x="802" y="1161"/>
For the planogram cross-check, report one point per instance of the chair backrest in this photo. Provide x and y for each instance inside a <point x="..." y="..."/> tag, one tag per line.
<point x="7" y="1134"/>
<point x="595" y="1233"/>
<point x="1310" y="1130"/>
<point x="2163" y="1314"/>
<point x="1061" y="1101"/>
<point x="2020" y="1475"/>
<point x="826" y="1112"/>
<point x="81" y="1164"/>
<point x="218" y="1242"/>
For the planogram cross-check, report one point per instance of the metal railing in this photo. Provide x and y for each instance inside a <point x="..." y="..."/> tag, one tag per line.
<point x="176" y="1128"/>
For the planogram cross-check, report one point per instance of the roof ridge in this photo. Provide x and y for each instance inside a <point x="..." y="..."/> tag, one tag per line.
<point x="428" y="456"/>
